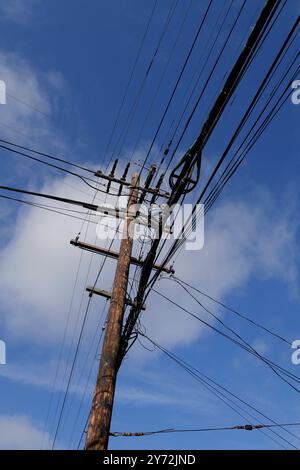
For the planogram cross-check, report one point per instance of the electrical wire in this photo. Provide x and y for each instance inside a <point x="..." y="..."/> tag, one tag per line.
<point x="230" y="309"/>
<point x="244" y="427"/>
<point x="177" y="83"/>
<point x="222" y="393"/>
<point x="85" y="180"/>
<point x="173" y="49"/>
<point x="277" y="369"/>
<point x="130" y="79"/>
<point x="122" y="138"/>
<point x="198" y="81"/>
<point x="47" y="155"/>
<point x="262" y="87"/>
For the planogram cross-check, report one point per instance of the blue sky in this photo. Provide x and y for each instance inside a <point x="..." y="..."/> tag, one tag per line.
<point x="66" y="65"/>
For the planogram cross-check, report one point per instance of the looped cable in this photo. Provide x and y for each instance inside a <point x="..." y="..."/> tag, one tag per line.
<point x="184" y="176"/>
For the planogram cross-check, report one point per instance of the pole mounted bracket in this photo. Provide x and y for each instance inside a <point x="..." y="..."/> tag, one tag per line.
<point x="107" y="295"/>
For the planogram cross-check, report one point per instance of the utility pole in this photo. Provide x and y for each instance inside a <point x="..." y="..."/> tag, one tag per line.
<point x="100" y="417"/>
<point x="101" y="411"/>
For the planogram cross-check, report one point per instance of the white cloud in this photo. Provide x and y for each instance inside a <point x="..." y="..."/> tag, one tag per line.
<point x="19" y="432"/>
<point x="165" y="396"/>
<point x="31" y="101"/>
<point x="38" y="270"/>
<point x="243" y="241"/>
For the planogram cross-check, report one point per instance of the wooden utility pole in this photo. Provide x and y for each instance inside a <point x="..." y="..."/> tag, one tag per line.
<point x="101" y="412"/>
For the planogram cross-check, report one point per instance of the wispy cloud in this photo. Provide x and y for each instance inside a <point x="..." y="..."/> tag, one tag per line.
<point x="31" y="101"/>
<point x="19" y="11"/>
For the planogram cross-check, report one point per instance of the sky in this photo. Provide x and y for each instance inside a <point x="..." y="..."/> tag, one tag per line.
<point x="66" y="65"/>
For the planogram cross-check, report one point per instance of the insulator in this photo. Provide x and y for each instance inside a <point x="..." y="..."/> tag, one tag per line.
<point x="125" y="172"/>
<point x="149" y="178"/>
<point x="157" y="188"/>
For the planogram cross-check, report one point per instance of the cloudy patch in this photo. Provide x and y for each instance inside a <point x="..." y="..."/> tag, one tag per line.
<point x="19" y="432"/>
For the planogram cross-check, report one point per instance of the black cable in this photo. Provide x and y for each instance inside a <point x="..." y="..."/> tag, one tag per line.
<point x="56" y="167"/>
<point x="214" y="387"/>
<point x="134" y="107"/>
<point x="91" y="207"/>
<point x="249" y="110"/>
<point x="161" y="80"/>
<point x="198" y="104"/>
<point x="130" y="80"/>
<point x="71" y="373"/>
<point x="47" y="155"/>
<point x="230" y="309"/>
<point x="203" y="133"/>
<point x="208" y="127"/>
<point x="236" y="161"/>
<point x="85" y="362"/>
<point x="275" y="367"/>
<point x="176" y="84"/>
<point x="244" y="427"/>
<point x="198" y="81"/>
<point x="179" y="243"/>
<point x="49" y="209"/>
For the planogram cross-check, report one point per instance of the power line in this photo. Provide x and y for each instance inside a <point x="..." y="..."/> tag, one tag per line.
<point x="86" y="361"/>
<point x="225" y="395"/>
<point x="86" y="205"/>
<point x="130" y="79"/>
<point x="244" y="427"/>
<point x="277" y="369"/>
<point x="230" y="309"/>
<point x="134" y="107"/>
<point x="71" y="373"/>
<point x="47" y="155"/>
<point x="53" y="209"/>
<point x="179" y="242"/>
<point x="208" y="78"/>
<point x="161" y="79"/>
<point x="88" y="216"/>
<point x="177" y="83"/>
<point x="197" y="82"/>
<point x="178" y="191"/>
<point x="84" y="179"/>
